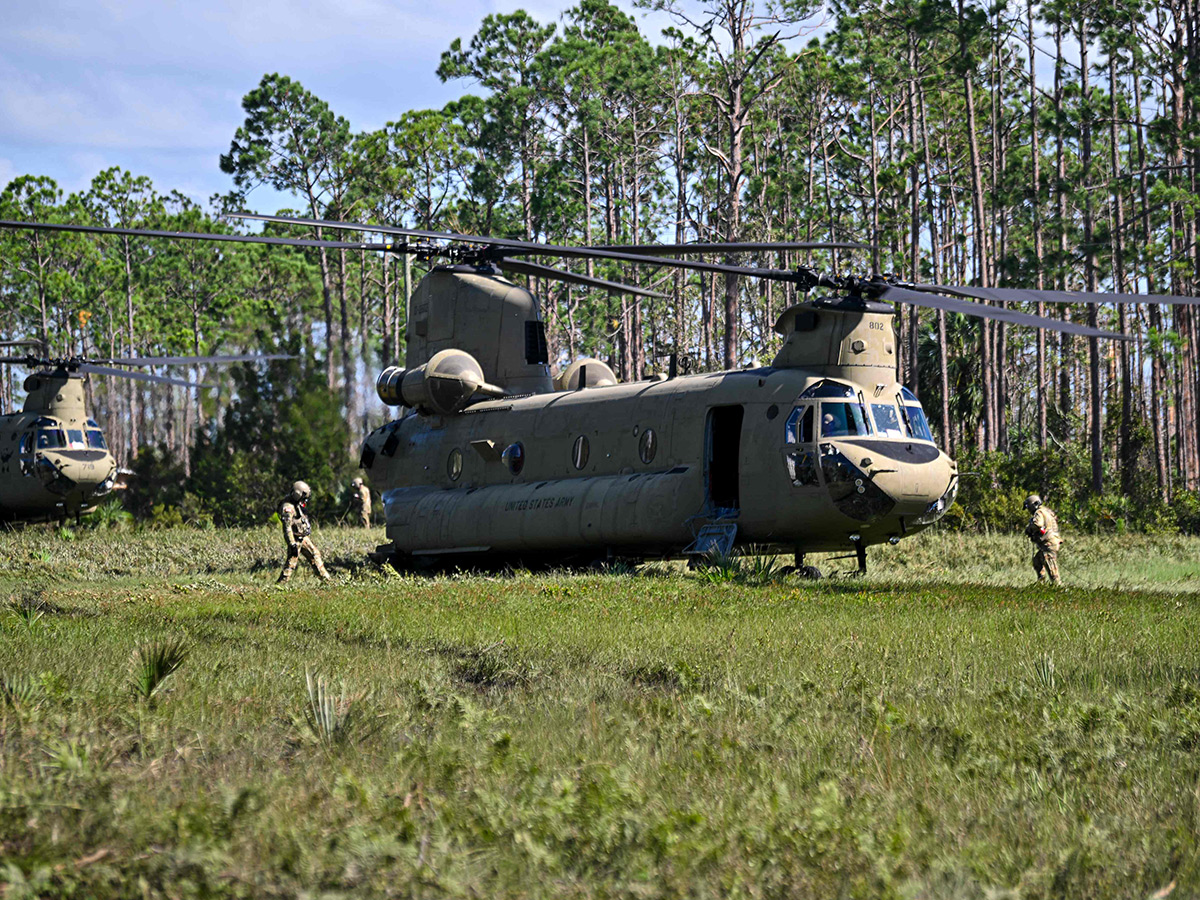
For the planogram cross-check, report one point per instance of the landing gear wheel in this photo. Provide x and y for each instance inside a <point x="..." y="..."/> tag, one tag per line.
<point x="807" y="572"/>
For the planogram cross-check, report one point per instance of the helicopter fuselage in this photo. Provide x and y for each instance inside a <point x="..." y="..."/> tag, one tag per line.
<point x="790" y="457"/>
<point x="54" y="462"/>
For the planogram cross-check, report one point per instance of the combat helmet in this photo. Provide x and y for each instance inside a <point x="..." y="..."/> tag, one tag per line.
<point x="301" y="491"/>
<point x="1033" y="502"/>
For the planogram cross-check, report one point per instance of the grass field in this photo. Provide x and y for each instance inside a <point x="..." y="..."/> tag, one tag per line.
<point x="172" y="725"/>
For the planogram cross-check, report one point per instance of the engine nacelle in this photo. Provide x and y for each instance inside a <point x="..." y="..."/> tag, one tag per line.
<point x="585" y="372"/>
<point x="442" y="386"/>
<point x="387" y="385"/>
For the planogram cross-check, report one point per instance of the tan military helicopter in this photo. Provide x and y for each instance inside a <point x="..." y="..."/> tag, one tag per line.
<point x="492" y="457"/>
<point x="54" y="461"/>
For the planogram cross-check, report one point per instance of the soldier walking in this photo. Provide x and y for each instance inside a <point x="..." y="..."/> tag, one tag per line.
<point x="297" y="531"/>
<point x="360" y="502"/>
<point x="1043" y="531"/>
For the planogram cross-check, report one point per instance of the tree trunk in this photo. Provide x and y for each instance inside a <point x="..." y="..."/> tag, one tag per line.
<point x="134" y="433"/>
<point x="981" y="247"/>
<point x="1095" y="401"/>
<point x="935" y="260"/>
<point x="1118" y="259"/>
<point x="1036" y="203"/>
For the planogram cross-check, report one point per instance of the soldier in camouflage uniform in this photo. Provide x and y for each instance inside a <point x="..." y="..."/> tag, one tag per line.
<point x="360" y="502"/>
<point x="297" y="533"/>
<point x="1043" y="531"/>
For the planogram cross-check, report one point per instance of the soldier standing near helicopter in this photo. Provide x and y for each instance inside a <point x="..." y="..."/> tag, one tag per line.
<point x="1043" y="531"/>
<point x="360" y="502"/>
<point x="297" y="531"/>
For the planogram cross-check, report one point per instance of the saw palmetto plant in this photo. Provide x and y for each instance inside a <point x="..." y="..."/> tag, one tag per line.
<point x="153" y="663"/>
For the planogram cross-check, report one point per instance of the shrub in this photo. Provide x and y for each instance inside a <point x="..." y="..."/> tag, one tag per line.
<point x="109" y="514"/>
<point x="993" y="487"/>
<point x="153" y="664"/>
<point x="162" y="516"/>
<point x="330" y="720"/>
<point x="1186" y="507"/>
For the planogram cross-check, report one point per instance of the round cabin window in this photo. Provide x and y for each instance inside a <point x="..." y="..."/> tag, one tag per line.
<point x="579" y="453"/>
<point x="514" y="458"/>
<point x="454" y="464"/>
<point x="648" y="446"/>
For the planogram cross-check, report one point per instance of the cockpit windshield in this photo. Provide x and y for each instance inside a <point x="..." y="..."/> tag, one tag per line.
<point x="843" y="419"/>
<point x="887" y="420"/>
<point x="95" y="439"/>
<point x="50" y="439"/>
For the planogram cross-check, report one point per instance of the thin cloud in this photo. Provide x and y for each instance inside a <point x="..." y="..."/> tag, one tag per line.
<point x="157" y="87"/>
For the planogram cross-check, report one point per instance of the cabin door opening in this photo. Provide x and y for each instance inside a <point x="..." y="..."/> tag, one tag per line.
<point x="723" y="443"/>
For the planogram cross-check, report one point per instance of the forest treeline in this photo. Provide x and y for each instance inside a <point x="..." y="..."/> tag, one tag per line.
<point x="1020" y="145"/>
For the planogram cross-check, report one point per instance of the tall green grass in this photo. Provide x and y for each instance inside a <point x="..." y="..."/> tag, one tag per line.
<point x="254" y="556"/>
<point x="941" y="728"/>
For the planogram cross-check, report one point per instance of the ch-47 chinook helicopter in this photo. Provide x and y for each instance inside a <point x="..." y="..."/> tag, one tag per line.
<point x="54" y="461"/>
<point x="492" y="457"/>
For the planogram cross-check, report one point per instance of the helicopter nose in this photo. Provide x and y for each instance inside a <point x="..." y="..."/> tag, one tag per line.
<point x="918" y="486"/>
<point x="69" y="471"/>
<point x="896" y="480"/>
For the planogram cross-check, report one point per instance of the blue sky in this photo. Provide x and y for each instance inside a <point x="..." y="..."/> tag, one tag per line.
<point x="156" y="87"/>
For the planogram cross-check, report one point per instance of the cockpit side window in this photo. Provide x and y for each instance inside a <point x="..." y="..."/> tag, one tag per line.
<point x="801" y="460"/>
<point x="95" y="439"/>
<point x="920" y="424"/>
<point x="915" y="423"/>
<point x="799" y="429"/>
<point x="26" y="446"/>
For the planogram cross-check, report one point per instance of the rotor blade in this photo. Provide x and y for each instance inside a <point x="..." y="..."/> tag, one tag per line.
<point x="514" y="247"/>
<point x="200" y="236"/>
<point x="19" y="360"/>
<point x="27" y="342"/>
<point x="528" y="268"/>
<point x="190" y="360"/>
<point x="137" y="376"/>
<point x="378" y="229"/>
<point x="732" y="247"/>
<point x="1021" y="295"/>
<point x="951" y="304"/>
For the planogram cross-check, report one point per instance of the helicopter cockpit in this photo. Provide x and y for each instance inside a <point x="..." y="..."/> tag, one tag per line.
<point x="837" y="437"/>
<point x="65" y="457"/>
<point x="46" y="433"/>
<point x="845" y="412"/>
